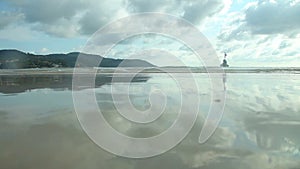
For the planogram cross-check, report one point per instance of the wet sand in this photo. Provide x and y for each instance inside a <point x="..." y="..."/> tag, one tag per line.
<point x="260" y="127"/>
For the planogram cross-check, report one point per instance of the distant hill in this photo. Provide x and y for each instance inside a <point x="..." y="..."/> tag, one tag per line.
<point x="14" y="59"/>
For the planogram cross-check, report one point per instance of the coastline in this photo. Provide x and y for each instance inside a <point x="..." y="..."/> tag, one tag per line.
<point x="131" y="70"/>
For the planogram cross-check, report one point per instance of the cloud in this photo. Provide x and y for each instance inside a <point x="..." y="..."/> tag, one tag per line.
<point x="24" y="33"/>
<point x="264" y="33"/>
<point x="263" y="18"/>
<point x="147" y="6"/>
<point x="197" y="11"/>
<point x="271" y="17"/>
<point x="44" y="51"/>
<point x="262" y="50"/>
<point x="43" y="11"/>
<point x="61" y="28"/>
<point x="68" y="18"/>
<point x="191" y="10"/>
<point x="97" y="15"/>
<point x="7" y="18"/>
<point x="55" y="17"/>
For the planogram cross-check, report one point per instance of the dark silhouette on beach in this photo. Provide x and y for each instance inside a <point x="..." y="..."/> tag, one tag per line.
<point x="224" y="64"/>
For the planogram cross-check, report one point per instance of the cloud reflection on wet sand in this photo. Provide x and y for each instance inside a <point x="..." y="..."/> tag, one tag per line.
<point x="260" y="129"/>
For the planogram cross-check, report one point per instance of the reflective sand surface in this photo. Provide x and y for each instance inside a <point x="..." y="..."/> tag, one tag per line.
<point x="259" y="129"/>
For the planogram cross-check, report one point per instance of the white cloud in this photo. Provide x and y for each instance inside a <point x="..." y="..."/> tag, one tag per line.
<point x="265" y="33"/>
<point x="44" y="51"/>
<point x="17" y="33"/>
<point x="262" y="50"/>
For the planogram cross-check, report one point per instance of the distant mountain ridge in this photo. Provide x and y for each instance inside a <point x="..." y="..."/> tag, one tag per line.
<point x="14" y="59"/>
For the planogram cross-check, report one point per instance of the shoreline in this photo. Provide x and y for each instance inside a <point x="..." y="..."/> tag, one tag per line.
<point x="131" y="70"/>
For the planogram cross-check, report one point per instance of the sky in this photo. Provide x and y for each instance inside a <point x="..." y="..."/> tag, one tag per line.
<point x="252" y="32"/>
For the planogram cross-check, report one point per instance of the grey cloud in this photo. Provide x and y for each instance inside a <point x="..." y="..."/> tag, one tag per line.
<point x="196" y="11"/>
<point x="146" y="5"/>
<point x="7" y="18"/>
<point x="55" y="17"/>
<point x="192" y="10"/>
<point x="284" y="44"/>
<point x="45" y="11"/>
<point x="66" y="18"/>
<point x="91" y="22"/>
<point x="98" y="15"/>
<point x="61" y="28"/>
<point x="264" y="18"/>
<point x="272" y="18"/>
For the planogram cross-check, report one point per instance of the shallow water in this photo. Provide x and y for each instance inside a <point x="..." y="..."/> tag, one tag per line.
<point x="259" y="128"/>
